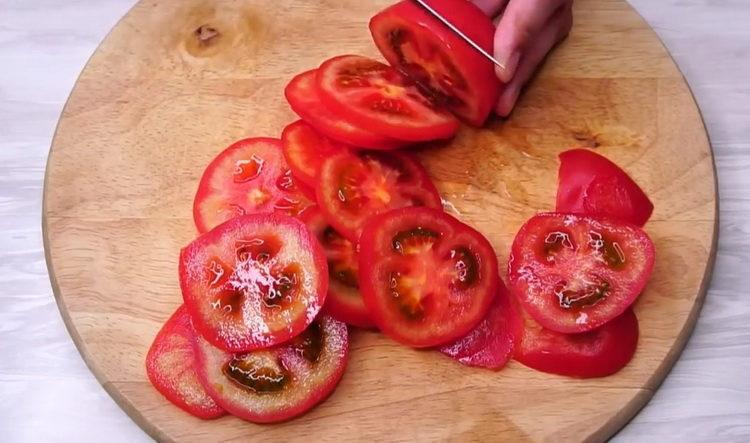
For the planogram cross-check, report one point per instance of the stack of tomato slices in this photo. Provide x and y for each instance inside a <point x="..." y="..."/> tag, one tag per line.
<point x="329" y="226"/>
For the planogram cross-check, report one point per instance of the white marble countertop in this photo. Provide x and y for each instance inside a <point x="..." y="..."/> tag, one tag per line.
<point x="48" y="394"/>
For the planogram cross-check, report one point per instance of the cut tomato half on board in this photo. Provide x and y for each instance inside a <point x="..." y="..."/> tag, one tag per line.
<point x="302" y="95"/>
<point x="596" y="353"/>
<point x="426" y="278"/>
<point x="254" y="281"/>
<point x="376" y="96"/>
<point x="445" y="68"/>
<point x="278" y="383"/>
<point x="171" y="367"/>
<point x="305" y="149"/>
<point x="355" y="186"/>
<point x="573" y="273"/>
<point x="250" y="176"/>
<point x="344" y="301"/>
<point x="592" y="185"/>
<point x="490" y="344"/>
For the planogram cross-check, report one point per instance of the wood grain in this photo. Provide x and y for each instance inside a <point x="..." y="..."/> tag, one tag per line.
<point x="152" y="107"/>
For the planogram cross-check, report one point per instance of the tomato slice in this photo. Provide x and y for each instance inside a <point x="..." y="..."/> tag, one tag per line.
<point x="355" y="186"/>
<point x="490" y="344"/>
<point x="305" y="149"/>
<point x="302" y="95"/>
<point x="592" y="185"/>
<point x="254" y="281"/>
<point x="573" y="274"/>
<point x="445" y="68"/>
<point x="250" y="176"/>
<point x="276" y="384"/>
<point x="344" y="301"/>
<point x="426" y="278"/>
<point x="171" y="363"/>
<point x="596" y="353"/>
<point x="378" y="97"/>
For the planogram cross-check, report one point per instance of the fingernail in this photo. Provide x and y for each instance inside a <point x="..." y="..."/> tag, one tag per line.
<point x="507" y="101"/>
<point x="510" y="63"/>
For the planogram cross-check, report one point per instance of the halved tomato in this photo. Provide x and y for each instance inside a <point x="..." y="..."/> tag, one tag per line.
<point x="254" y="281"/>
<point x="592" y="185"/>
<point x="426" y="278"/>
<point x="302" y="95"/>
<point x="305" y="149"/>
<point x="344" y="301"/>
<point x="374" y="95"/>
<point x="447" y="70"/>
<point x="573" y="274"/>
<point x="596" y="353"/>
<point x="355" y="186"/>
<point x="250" y="176"/>
<point x="171" y="367"/>
<point x="490" y="344"/>
<point x="276" y="384"/>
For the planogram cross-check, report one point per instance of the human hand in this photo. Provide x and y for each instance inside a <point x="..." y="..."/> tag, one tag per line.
<point x="526" y="32"/>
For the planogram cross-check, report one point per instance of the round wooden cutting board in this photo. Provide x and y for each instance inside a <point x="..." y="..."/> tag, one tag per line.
<point x="160" y="98"/>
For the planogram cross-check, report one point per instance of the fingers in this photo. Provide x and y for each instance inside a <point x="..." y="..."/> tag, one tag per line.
<point x="555" y="31"/>
<point x="519" y="26"/>
<point x="490" y="7"/>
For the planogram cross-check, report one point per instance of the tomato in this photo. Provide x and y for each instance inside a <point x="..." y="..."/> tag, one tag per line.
<point x="302" y="95"/>
<point x="170" y="365"/>
<point x="344" y="301"/>
<point x="355" y="186"/>
<point x="596" y="353"/>
<point x="254" y="281"/>
<point x="305" y="149"/>
<point x="447" y="70"/>
<point x="490" y="344"/>
<point x="592" y="185"/>
<point x="573" y="274"/>
<point x="276" y="384"/>
<point x="375" y="96"/>
<point x="426" y="278"/>
<point x="248" y="177"/>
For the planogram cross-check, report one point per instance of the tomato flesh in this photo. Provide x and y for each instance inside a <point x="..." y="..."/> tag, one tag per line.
<point x="378" y="97"/>
<point x="250" y="176"/>
<point x="446" y="69"/>
<point x="254" y="281"/>
<point x="573" y="273"/>
<point x="597" y="353"/>
<point x="344" y="301"/>
<point x="426" y="278"/>
<point x="490" y="344"/>
<point x="278" y="383"/>
<point x="592" y="185"/>
<point x="305" y="149"/>
<point x="304" y="98"/>
<point x="353" y="187"/>
<point x="171" y="367"/>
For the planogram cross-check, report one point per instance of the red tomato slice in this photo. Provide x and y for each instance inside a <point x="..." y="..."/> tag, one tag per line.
<point x="596" y="353"/>
<point x="446" y="69"/>
<point x="305" y="149"/>
<point x="302" y="95"/>
<point x="170" y="365"/>
<point x="375" y="96"/>
<point x="353" y="187"/>
<point x="250" y="176"/>
<point x="490" y="344"/>
<point x="344" y="301"/>
<point x="592" y="185"/>
<point x="426" y="278"/>
<point x="254" y="281"/>
<point x="573" y="274"/>
<point x="276" y="384"/>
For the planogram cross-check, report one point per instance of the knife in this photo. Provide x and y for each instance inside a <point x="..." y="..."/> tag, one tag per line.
<point x="458" y="32"/>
